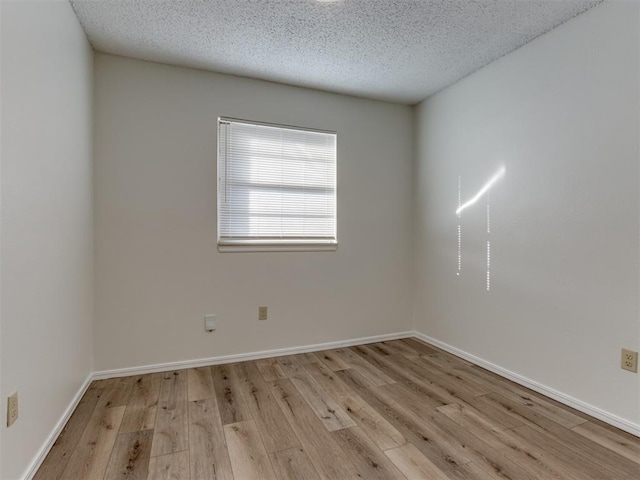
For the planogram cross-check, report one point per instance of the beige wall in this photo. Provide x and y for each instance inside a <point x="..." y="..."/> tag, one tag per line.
<point x="46" y="235"/>
<point x="157" y="269"/>
<point x="562" y="115"/>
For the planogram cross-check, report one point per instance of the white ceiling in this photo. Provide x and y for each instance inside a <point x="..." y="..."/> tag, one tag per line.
<point x="397" y="50"/>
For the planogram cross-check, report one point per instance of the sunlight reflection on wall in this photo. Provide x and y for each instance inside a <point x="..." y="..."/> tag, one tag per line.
<point x="484" y="191"/>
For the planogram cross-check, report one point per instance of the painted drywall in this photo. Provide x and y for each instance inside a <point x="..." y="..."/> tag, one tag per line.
<point x="46" y="234"/>
<point x="157" y="268"/>
<point x="562" y="116"/>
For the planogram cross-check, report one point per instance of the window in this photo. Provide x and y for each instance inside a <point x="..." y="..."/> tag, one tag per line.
<point x="276" y="187"/>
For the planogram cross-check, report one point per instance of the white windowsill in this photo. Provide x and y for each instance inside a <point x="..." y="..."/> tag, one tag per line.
<point x="283" y="247"/>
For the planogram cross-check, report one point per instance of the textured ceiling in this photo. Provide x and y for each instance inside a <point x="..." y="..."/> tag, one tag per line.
<point x="397" y="50"/>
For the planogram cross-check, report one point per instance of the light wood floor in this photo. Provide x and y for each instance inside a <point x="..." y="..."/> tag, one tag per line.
<point x="391" y="410"/>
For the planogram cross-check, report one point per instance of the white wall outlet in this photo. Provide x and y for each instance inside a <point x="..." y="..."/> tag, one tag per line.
<point x="263" y="313"/>
<point x="210" y="322"/>
<point x="629" y="360"/>
<point x="12" y="408"/>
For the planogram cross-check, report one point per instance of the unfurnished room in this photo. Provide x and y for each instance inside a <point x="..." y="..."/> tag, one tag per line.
<point x="319" y="239"/>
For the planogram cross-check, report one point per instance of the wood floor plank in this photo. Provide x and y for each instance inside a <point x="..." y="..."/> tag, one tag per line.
<point x="137" y="419"/>
<point x="399" y="347"/>
<point x="439" y="352"/>
<point x="433" y="389"/>
<point x="473" y="471"/>
<point x="118" y="393"/>
<point x="91" y="456"/>
<point x="444" y="361"/>
<point x="421" y="347"/>
<point x="306" y="358"/>
<point x="173" y="466"/>
<point x="199" y="384"/>
<point x="543" y="407"/>
<point x="290" y="365"/>
<point x="529" y="460"/>
<point x="382" y="349"/>
<point x="474" y="443"/>
<point x="375" y="358"/>
<point x="498" y="417"/>
<point x="375" y="426"/>
<point x="100" y="384"/>
<point x="333" y="417"/>
<point x="542" y="445"/>
<point x="171" y="429"/>
<point x="394" y="364"/>
<point x="329" y="460"/>
<point x="403" y="370"/>
<point x="555" y="464"/>
<point x="130" y="456"/>
<point x="143" y="399"/>
<point x="362" y="364"/>
<point x="455" y="375"/>
<point x="492" y="460"/>
<point x="580" y="445"/>
<point x="429" y="394"/>
<point x="489" y="453"/>
<point x="620" y="442"/>
<point x="561" y="417"/>
<point x="249" y="459"/>
<point x="492" y="381"/>
<point x="293" y="464"/>
<point x="437" y="449"/>
<point x="145" y="390"/>
<point x="368" y="459"/>
<point x="437" y="428"/>
<point x="368" y="419"/>
<point x="233" y="407"/>
<point x="375" y="376"/>
<point x="56" y="461"/>
<point x="331" y="360"/>
<point x="502" y="386"/>
<point x="433" y="379"/>
<point x="474" y="423"/>
<point x="273" y="426"/>
<point x="270" y="370"/>
<point x="413" y="464"/>
<point x="328" y="380"/>
<point x="209" y="456"/>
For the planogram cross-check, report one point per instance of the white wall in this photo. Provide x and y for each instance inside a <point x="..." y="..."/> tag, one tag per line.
<point x="46" y="233"/>
<point x="157" y="267"/>
<point x="562" y="115"/>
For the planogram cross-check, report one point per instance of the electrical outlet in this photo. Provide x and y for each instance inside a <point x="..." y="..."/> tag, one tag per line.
<point x="629" y="360"/>
<point x="210" y="322"/>
<point x="12" y="408"/>
<point x="262" y="313"/>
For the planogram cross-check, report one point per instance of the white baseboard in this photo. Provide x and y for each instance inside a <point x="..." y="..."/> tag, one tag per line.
<point x="244" y="357"/>
<point x="51" y="439"/>
<point x="584" y="407"/>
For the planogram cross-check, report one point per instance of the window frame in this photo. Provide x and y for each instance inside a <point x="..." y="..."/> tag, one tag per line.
<point x="273" y="245"/>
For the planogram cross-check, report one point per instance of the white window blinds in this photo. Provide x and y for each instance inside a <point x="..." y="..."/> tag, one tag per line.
<point x="276" y="185"/>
